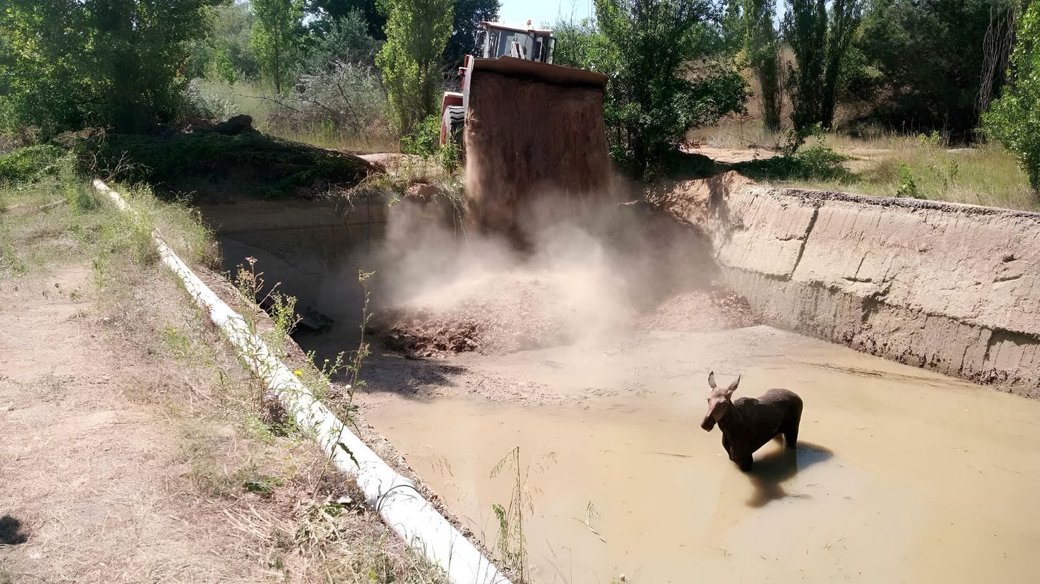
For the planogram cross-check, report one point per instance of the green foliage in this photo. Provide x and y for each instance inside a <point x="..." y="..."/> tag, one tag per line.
<point x="654" y="95"/>
<point x="817" y="162"/>
<point x="276" y="38"/>
<point x="75" y="63"/>
<point x="416" y="33"/>
<point x="29" y="164"/>
<point x="328" y="11"/>
<point x="1014" y="118"/>
<point x="425" y="139"/>
<point x="820" y="38"/>
<point x="761" y="50"/>
<point x="907" y="185"/>
<point x="226" y="52"/>
<point x="204" y="162"/>
<point x="341" y="40"/>
<point x="468" y="15"/>
<point x="931" y="59"/>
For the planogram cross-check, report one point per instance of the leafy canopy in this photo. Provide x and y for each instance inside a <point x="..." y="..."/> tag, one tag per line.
<point x="410" y="60"/>
<point x="664" y="79"/>
<point x="1015" y="117"/>
<point x="75" y="63"/>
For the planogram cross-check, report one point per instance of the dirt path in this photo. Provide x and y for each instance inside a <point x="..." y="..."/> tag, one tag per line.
<point x="133" y="447"/>
<point x="90" y="482"/>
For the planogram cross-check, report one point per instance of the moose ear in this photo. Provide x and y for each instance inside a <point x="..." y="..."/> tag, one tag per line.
<point x="711" y="380"/>
<point x="733" y="386"/>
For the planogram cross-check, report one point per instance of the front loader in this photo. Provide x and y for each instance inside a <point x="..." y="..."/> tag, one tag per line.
<point x="531" y="132"/>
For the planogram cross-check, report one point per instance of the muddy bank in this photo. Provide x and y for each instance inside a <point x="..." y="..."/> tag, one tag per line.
<point x="954" y="288"/>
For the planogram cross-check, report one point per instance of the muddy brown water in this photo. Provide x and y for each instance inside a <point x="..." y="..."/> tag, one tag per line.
<point x="902" y="474"/>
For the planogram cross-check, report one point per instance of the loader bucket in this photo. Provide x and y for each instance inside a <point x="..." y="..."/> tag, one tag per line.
<point x="533" y="131"/>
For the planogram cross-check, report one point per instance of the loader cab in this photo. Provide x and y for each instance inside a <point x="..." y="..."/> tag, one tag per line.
<point x="529" y="44"/>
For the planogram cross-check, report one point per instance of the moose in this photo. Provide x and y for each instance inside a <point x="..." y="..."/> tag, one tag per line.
<point x="747" y="424"/>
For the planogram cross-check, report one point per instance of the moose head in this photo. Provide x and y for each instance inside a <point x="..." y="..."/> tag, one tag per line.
<point x="719" y="402"/>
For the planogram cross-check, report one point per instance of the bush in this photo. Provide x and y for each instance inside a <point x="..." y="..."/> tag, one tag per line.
<point x="29" y="164"/>
<point x="816" y="162"/>
<point x="342" y="99"/>
<point x="1014" y="119"/>
<point x="426" y="138"/>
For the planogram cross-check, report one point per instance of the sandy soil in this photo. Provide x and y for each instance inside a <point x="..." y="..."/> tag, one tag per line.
<point x="91" y="484"/>
<point x="133" y="449"/>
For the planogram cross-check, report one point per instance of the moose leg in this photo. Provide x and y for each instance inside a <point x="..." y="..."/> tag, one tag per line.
<point x="743" y="461"/>
<point x="794" y="418"/>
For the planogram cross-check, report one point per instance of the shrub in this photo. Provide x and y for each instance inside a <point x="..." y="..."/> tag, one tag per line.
<point x="1014" y="118"/>
<point x="29" y="163"/>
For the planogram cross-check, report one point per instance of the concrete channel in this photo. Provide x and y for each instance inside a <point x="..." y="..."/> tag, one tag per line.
<point x="884" y="315"/>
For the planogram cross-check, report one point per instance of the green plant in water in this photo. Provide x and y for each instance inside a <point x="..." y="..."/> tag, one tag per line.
<point x="512" y="543"/>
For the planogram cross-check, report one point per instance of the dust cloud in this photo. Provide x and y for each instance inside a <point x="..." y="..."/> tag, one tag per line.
<point x="576" y="269"/>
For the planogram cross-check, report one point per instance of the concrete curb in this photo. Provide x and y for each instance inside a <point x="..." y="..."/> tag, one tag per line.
<point x="394" y="497"/>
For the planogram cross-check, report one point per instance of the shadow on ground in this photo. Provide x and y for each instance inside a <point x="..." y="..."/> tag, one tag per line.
<point x="12" y="531"/>
<point x="769" y="472"/>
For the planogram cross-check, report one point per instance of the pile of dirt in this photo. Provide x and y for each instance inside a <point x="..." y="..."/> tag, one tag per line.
<point x="711" y="309"/>
<point x="518" y="316"/>
<point x="504" y="316"/>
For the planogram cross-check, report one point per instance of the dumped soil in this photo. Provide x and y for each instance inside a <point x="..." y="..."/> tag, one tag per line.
<point x="505" y="316"/>
<point x="712" y="309"/>
<point x="510" y="319"/>
<point x="517" y="153"/>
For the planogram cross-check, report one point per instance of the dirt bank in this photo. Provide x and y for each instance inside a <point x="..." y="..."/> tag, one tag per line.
<point x="133" y="447"/>
<point x="955" y="288"/>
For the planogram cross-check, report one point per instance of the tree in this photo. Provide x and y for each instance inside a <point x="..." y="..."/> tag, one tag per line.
<point x="820" y="42"/>
<point x="931" y="59"/>
<point x="410" y="59"/>
<point x="658" y="55"/>
<point x="1015" y="117"/>
<point x="73" y="63"/>
<point x="344" y="40"/>
<point x="468" y="16"/>
<point x="276" y="40"/>
<point x="761" y="49"/>
<point x="328" y="11"/>
<point x="226" y="52"/>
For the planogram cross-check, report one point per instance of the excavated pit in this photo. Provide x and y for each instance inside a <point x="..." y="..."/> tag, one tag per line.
<point x="495" y="351"/>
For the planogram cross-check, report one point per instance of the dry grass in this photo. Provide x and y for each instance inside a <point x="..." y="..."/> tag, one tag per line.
<point x="268" y="495"/>
<point x="886" y="164"/>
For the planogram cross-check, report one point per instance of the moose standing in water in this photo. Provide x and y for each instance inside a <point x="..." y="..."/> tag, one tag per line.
<point x="747" y="424"/>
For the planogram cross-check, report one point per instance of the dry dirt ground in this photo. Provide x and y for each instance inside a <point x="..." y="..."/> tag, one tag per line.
<point x="132" y="446"/>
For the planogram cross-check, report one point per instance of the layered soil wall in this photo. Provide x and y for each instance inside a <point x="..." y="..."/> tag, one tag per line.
<point x="954" y="288"/>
